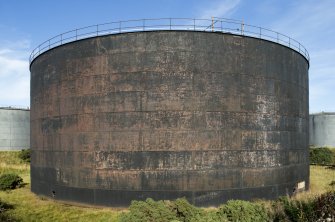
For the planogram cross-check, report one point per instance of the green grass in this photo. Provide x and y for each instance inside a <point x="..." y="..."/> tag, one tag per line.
<point x="11" y="163"/>
<point x="30" y="207"/>
<point x="320" y="177"/>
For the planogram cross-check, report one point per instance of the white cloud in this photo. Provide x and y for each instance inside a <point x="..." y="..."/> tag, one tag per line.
<point x="309" y="22"/>
<point x="14" y="74"/>
<point x="10" y="66"/>
<point x="219" y="9"/>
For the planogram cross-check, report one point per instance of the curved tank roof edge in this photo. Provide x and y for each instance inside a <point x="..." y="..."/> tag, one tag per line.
<point x="15" y="108"/>
<point x="217" y="32"/>
<point x="322" y="113"/>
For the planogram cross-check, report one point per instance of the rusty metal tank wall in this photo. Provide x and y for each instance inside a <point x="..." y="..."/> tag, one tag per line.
<point x="167" y="114"/>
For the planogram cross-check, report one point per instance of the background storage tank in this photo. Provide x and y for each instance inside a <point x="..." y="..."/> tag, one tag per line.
<point x="14" y="128"/>
<point x="322" y="129"/>
<point x="164" y="114"/>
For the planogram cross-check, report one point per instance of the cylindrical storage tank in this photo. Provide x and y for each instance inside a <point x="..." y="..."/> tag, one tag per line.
<point x="14" y="128"/>
<point x="322" y="129"/>
<point x="167" y="114"/>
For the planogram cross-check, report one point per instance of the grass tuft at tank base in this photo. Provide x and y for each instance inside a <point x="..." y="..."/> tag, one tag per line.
<point x="30" y="207"/>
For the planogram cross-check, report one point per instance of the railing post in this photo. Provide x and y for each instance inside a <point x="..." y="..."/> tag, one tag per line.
<point x="76" y="35"/>
<point x="277" y="37"/>
<point x="260" y="32"/>
<point x="143" y="24"/>
<point x="98" y="30"/>
<point x="61" y="38"/>
<point x="170" y="23"/>
<point x="120" y="27"/>
<point x="242" y="28"/>
<point x="49" y="43"/>
<point x="221" y="26"/>
<point x="289" y="41"/>
<point x="212" y="24"/>
<point x="194" y="24"/>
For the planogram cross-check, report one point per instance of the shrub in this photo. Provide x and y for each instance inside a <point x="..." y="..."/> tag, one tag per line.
<point x="4" y="206"/>
<point x="284" y="209"/>
<point x="148" y="210"/>
<point x="3" y="214"/>
<point x="25" y="155"/>
<point x="239" y="210"/>
<point x="321" y="156"/>
<point x="277" y="212"/>
<point x="186" y="212"/>
<point x="179" y="210"/>
<point x="325" y="206"/>
<point x="296" y="210"/>
<point x="10" y="181"/>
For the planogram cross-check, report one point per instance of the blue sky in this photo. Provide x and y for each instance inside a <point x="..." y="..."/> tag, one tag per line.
<point x="25" y="24"/>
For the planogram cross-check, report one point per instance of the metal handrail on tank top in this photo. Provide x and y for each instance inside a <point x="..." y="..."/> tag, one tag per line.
<point x="221" y="25"/>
